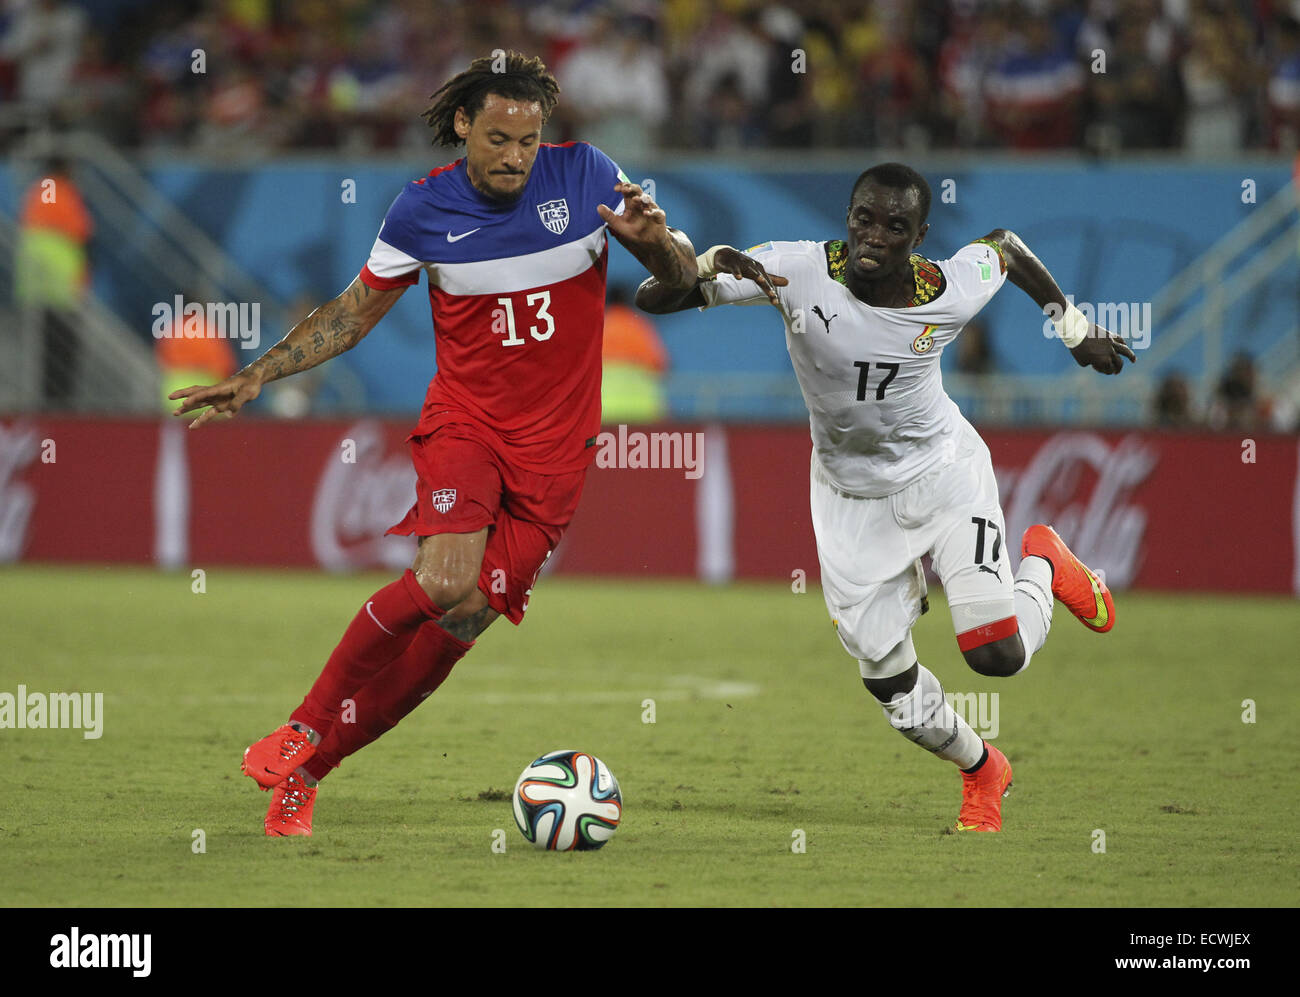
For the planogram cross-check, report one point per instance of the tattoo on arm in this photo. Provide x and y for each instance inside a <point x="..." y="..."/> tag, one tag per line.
<point x="672" y="263"/>
<point x="680" y="261"/>
<point x="331" y="329"/>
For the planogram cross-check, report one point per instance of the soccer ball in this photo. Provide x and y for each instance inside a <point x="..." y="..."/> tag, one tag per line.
<point x="568" y="800"/>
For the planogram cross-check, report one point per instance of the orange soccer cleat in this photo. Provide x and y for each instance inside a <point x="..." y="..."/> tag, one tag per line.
<point x="290" y="811"/>
<point x="1077" y="586"/>
<point x="270" y="760"/>
<point x="981" y="794"/>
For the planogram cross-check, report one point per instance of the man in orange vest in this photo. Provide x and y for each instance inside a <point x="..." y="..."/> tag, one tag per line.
<point x="52" y="274"/>
<point x="633" y="362"/>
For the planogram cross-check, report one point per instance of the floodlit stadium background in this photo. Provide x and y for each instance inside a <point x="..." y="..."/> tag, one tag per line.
<point x="244" y="153"/>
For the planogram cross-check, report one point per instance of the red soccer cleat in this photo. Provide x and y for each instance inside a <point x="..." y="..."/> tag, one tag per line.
<point x="981" y="794"/>
<point x="270" y="761"/>
<point x="290" y="811"/>
<point x="1073" y="582"/>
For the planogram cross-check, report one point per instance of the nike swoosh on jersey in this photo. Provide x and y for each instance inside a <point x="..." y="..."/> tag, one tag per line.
<point x="457" y="238"/>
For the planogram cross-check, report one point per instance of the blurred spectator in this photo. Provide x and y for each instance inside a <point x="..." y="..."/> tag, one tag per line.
<point x="892" y="81"/>
<point x="232" y="111"/>
<point x="366" y="92"/>
<point x="731" y="121"/>
<point x="1216" y="76"/>
<point x="51" y="275"/>
<point x="1137" y="97"/>
<point x="836" y="119"/>
<point x="615" y="93"/>
<point x="1171" y="407"/>
<point x="44" y="40"/>
<point x="729" y="63"/>
<point x="966" y="58"/>
<point x="1034" y="92"/>
<point x="635" y="362"/>
<point x="170" y="112"/>
<point x="308" y="121"/>
<point x="108" y="97"/>
<point x="1236" y="404"/>
<point x="789" y="113"/>
<point x="1284" y="85"/>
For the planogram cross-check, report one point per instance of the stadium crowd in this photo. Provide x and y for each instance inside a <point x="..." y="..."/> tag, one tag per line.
<point x="250" y="76"/>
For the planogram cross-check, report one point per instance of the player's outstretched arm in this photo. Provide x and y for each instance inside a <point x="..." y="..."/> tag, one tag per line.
<point x="659" y="299"/>
<point x="1098" y="348"/>
<point x="643" y="230"/>
<point x="333" y="328"/>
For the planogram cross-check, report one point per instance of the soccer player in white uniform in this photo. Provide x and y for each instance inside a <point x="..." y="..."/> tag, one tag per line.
<point x="897" y="472"/>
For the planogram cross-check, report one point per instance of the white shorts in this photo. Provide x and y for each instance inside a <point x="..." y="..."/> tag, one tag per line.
<point x="867" y="548"/>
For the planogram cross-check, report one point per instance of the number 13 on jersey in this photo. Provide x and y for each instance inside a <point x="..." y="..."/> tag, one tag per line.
<point x="503" y="319"/>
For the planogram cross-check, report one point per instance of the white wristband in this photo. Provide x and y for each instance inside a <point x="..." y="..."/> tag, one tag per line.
<point x="1072" y="327"/>
<point x="705" y="262"/>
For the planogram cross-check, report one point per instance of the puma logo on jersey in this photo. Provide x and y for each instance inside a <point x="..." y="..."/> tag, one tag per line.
<point x="818" y="312"/>
<point x="991" y="571"/>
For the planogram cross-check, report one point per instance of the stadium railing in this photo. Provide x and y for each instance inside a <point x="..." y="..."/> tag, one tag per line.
<point x="1244" y="262"/>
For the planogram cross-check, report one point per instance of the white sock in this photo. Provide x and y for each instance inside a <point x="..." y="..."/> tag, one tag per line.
<point x="1033" y="595"/>
<point x="924" y="716"/>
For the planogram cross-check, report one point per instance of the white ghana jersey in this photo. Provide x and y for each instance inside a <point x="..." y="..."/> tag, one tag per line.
<point x="870" y="376"/>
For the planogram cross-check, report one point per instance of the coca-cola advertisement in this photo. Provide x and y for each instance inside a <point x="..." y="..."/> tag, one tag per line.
<point x="1174" y="511"/>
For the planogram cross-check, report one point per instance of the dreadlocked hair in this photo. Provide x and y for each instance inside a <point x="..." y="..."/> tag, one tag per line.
<point x="506" y="74"/>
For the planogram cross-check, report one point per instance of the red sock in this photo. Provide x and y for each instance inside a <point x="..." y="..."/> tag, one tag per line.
<point x="377" y="635"/>
<point x="383" y="701"/>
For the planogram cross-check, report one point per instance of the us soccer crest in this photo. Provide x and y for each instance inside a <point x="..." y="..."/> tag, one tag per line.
<point x="444" y="499"/>
<point x="555" y="215"/>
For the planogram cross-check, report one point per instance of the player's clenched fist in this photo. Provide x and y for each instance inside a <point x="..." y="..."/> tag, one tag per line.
<point x="224" y="398"/>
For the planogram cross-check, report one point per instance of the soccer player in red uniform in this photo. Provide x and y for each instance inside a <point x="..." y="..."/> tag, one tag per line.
<point x="512" y="238"/>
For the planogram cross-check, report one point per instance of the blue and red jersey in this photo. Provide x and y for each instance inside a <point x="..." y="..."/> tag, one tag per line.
<point x="517" y="292"/>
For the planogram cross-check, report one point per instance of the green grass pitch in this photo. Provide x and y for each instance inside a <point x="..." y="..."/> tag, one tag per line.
<point x="762" y="730"/>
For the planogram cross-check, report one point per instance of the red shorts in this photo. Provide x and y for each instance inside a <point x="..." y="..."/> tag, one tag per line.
<point x="465" y="483"/>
